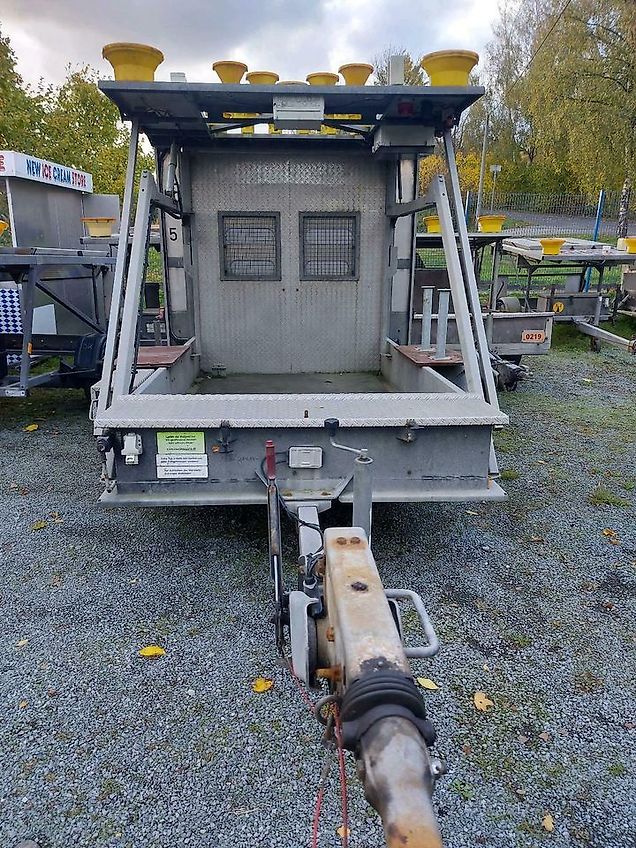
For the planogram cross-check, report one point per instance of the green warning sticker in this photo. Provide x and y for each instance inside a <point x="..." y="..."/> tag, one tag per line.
<point x="181" y="441"/>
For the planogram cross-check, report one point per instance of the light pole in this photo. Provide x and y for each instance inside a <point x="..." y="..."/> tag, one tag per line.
<point x="494" y="170"/>
<point x="482" y="168"/>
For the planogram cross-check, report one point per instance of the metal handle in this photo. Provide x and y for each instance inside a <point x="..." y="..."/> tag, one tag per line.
<point x="433" y="642"/>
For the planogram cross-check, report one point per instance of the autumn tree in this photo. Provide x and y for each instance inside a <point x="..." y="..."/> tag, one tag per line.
<point x="20" y="106"/>
<point x="84" y="130"/>
<point x="413" y="73"/>
<point x="74" y="124"/>
<point x="561" y="93"/>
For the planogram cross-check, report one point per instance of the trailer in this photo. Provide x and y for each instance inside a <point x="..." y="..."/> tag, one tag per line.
<point x="571" y="297"/>
<point x="510" y="334"/>
<point x="54" y="293"/>
<point x="292" y="377"/>
<point x="55" y="281"/>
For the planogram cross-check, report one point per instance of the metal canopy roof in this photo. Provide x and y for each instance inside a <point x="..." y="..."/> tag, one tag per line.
<point x="170" y="111"/>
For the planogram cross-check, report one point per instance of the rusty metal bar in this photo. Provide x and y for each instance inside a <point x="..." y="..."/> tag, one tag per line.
<point x="382" y="711"/>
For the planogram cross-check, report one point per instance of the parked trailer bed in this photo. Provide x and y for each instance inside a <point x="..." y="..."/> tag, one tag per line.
<point x="292" y="377"/>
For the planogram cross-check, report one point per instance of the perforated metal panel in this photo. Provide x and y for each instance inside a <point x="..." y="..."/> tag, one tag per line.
<point x="289" y="325"/>
<point x="328" y="246"/>
<point x="249" y="246"/>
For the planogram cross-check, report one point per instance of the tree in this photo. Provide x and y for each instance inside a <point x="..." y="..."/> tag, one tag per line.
<point x="562" y="82"/>
<point x="20" y="107"/>
<point x="83" y="129"/>
<point x="413" y="73"/>
<point x="74" y="124"/>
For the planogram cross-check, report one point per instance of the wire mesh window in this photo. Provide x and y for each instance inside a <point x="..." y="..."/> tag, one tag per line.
<point x="249" y="245"/>
<point x="329" y="246"/>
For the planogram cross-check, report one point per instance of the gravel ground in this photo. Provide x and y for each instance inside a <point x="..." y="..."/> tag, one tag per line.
<point x="533" y="604"/>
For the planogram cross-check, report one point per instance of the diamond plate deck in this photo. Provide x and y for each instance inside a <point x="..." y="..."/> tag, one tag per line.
<point x="382" y="409"/>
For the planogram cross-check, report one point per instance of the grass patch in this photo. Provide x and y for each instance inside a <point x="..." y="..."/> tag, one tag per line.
<point x="509" y="474"/>
<point x="586" y="682"/>
<point x="109" y="787"/>
<point x="602" y="496"/>
<point x="577" y="413"/>
<point x="617" y="770"/>
<point x="463" y="789"/>
<point x="567" y="337"/>
<point x="507" y="440"/>
<point x="519" y="640"/>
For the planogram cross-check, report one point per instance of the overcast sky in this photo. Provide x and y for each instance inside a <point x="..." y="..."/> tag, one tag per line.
<point x="292" y="37"/>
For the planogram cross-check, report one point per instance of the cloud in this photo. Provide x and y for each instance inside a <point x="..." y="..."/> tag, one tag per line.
<point x="292" y="37"/>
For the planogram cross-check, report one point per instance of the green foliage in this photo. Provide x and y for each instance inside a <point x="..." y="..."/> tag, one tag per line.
<point x="561" y="95"/>
<point x="413" y="73"/>
<point x="602" y="496"/>
<point x="20" y="117"/>
<point x="74" y="124"/>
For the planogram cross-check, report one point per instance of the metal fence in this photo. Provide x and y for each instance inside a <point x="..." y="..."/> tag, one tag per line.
<point x="573" y="215"/>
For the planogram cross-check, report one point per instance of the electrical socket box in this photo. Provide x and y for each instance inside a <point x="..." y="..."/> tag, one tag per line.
<point x="305" y="457"/>
<point x="399" y="139"/>
<point x="298" y="111"/>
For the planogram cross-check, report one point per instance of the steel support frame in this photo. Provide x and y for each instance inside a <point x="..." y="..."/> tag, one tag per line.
<point x="149" y="197"/>
<point x="120" y="271"/>
<point x="26" y="308"/>
<point x="601" y="335"/>
<point x="437" y="192"/>
<point x="472" y="291"/>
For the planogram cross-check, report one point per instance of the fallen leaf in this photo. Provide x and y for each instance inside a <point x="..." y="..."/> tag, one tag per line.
<point x="585" y="380"/>
<point x="30" y="428"/>
<point x="40" y="525"/>
<point x="614" y="541"/>
<point x="151" y="652"/>
<point x="537" y="539"/>
<point x="22" y="643"/>
<point x="482" y="701"/>
<point x="471" y="512"/>
<point x="542" y="462"/>
<point x="545" y="736"/>
<point x="13" y="486"/>
<point x="427" y="683"/>
<point x="56" y="580"/>
<point x="262" y="684"/>
<point x="343" y="831"/>
<point x="467" y="749"/>
<point x="608" y="532"/>
<point x="520" y="792"/>
<point x="57" y="518"/>
<point x="23" y="704"/>
<point x="548" y="823"/>
<point x="523" y="739"/>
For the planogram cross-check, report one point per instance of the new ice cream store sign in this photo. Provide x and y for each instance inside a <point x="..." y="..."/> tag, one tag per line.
<point x="14" y="164"/>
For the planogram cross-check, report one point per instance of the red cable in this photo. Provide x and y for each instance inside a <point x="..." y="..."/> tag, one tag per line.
<point x="314" y="827"/>
<point x="303" y="692"/>
<point x="343" y="777"/>
<point x="341" y="768"/>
